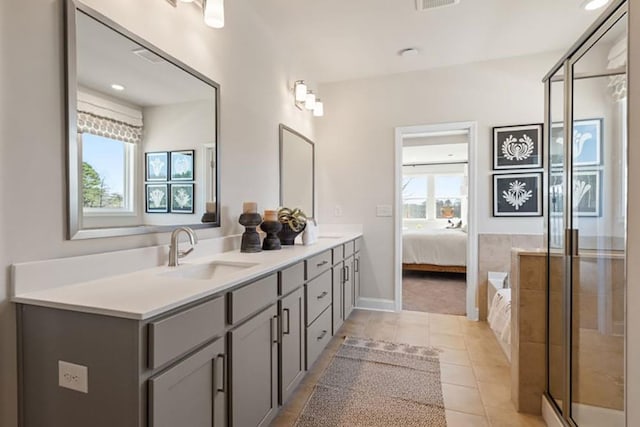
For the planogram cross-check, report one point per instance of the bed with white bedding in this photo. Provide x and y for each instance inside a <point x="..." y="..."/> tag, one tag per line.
<point x="435" y="250"/>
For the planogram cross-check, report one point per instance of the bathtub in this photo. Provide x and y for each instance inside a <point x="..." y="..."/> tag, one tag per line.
<point x="499" y="297"/>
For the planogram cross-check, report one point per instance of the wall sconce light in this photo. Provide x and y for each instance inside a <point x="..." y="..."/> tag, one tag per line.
<point x="212" y="10"/>
<point x="306" y="99"/>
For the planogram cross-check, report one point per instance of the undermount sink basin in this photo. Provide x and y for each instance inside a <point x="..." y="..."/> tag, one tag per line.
<point x="207" y="271"/>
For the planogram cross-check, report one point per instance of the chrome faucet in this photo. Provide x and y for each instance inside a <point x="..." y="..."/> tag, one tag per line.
<point x="174" y="252"/>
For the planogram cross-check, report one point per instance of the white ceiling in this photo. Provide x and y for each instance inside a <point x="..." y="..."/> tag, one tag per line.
<point x="347" y="39"/>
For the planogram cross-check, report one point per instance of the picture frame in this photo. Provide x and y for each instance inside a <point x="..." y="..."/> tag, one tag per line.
<point x="156" y="198"/>
<point x="587" y="142"/>
<point x="517" y="195"/>
<point x="518" y="147"/>
<point x="156" y="166"/>
<point x="182" y="165"/>
<point x="587" y="192"/>
<point x="182" y="198"/>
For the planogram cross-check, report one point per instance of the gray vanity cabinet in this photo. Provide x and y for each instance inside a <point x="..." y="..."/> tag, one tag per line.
<point x="356" y="278"/>
<point x="337" y="309"/>
<point x="292" y="343"/>
<point x="254" y="370"/>
<point x="191" y="392"/>
<point x="348" y="287"/>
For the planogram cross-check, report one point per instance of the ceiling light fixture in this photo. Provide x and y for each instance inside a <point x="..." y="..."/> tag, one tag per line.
<point x="594" y="4"/>
<point x="212" y="10"/>
<point x="117" y="87"/>
<point x="305" y="99"/>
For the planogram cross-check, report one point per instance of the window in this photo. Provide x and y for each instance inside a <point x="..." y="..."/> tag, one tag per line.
<point x="414" y="197"/>
<point x="433" y="196"/>
<point x="106" y="175"/>
<point x="448" y="194"/>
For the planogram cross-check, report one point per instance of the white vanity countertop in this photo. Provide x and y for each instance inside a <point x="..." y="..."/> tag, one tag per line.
<point x="150" y="292"/>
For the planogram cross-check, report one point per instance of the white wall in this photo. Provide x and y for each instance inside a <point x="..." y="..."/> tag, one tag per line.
<point x="633" y="224"/>
<point x="254" y="76"/>
<point x="356" y="138"/>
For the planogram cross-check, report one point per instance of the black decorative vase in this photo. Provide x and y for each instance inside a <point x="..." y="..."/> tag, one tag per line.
<point x="287" y="235"/>
<point x="250" y="237"/>
<point x="271" y="242"/>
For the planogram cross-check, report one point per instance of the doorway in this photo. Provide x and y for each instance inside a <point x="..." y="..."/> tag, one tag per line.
<point x="435" y="234"/>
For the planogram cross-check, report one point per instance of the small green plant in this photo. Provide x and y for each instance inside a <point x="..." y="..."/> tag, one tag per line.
<point x="294" y="217"/>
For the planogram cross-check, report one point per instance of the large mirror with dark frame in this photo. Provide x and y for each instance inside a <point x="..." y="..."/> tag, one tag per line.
<point x="142" y="134"/>
<point x="297" y="168"/>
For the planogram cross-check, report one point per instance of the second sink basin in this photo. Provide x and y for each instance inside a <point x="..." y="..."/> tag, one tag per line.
<point x="207" y="271"/>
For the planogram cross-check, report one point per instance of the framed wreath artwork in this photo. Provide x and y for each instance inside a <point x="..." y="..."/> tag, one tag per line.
<point x="517" y="147"/>
<point x="517" y="194"/>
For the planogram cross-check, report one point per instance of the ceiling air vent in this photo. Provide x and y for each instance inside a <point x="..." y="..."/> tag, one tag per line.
<point x="433" y="4"/>
<point x="147" y="55"/>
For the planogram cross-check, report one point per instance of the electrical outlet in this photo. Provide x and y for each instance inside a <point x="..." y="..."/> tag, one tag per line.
<point x="72" y="376"/>
<point x="337" y="211"/>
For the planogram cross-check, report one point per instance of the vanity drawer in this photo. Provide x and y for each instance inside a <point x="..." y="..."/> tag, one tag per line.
<point x="358" y="244"/>
<point x="291" y="278"/>
<point x="318" y="264"/>
<point x="318" y="295"/>
<point x="252" y="297"/>
<point x="349" y="249"/>
<point x="175" y="335"/>
<point x="318" y="336"/>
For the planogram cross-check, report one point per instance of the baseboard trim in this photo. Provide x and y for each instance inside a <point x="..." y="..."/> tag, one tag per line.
<point x="550" y="416"/>
<point x="376" y="304"/>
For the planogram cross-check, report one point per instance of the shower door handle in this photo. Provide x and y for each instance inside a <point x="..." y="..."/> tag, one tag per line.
<point x="571" y="242"/>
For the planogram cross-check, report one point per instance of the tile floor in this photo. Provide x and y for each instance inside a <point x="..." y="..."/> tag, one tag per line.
<point x="475" y="372"/>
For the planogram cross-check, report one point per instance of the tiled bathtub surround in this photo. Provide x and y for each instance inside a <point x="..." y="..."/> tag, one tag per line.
<point x="598" y="346"/>
<point x="494" y="254"/>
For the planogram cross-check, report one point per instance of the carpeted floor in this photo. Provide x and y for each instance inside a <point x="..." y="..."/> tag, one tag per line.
<point x="443" y="293"/>
<point x="377" y="384"/>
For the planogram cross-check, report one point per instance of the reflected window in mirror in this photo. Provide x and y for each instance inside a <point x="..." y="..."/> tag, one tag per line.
<point x="127" y="99"/>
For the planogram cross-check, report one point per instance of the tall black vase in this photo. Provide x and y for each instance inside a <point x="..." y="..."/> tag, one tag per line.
<point x="287" y="235"/>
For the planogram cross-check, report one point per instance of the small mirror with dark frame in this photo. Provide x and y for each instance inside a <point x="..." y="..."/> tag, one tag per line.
<point x="143" y="134"/>
<point x="297" y="171"/>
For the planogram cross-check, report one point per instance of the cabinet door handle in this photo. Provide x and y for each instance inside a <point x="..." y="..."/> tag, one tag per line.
<point x="322" y="295"/>
<point x="221" y="373"/>
<point x="286" y="310"/>
<point x="356" y="266"/>
<point x="344" y="274"/>
<point x="274" y="335"/>
<point x="348" y="273"/>
<point x="324" y="332"/>
<point x="322" y="263"/>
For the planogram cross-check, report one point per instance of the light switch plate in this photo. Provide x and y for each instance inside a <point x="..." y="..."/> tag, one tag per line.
<point x="72" y="376"/>
<point x="384" y="210"/>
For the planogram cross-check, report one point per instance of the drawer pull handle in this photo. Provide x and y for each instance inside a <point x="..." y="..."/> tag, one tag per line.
<point x="222" y="374"/>
<point x="322" y="295"/>
<point x="325" y="262"/>
<point x="286" y="310"/>
<point x="322" y="335"/>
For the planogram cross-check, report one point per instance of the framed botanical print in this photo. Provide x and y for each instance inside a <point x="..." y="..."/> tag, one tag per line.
<point x="517" y="194"/>
<point x="182" y="198"/>
<point x="182" y="165"/>
<point x="517" y="147"/>
<point x="587" y="143"/>
<point x="157" y="166"/>
<point x="157" y="198"/>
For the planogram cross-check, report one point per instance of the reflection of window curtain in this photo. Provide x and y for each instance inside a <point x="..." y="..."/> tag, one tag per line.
<point x="102" y="126"/>
<point x="617" y="58"/>
<point x="108" y="118"/>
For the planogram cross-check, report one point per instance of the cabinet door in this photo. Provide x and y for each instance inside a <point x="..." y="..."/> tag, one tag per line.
<point x="254" y="370"/>
<point x="338" y="278"/>
<point x="347" y="288"/>
<point x="192" y="392"/>
<point x="292" y="343"/>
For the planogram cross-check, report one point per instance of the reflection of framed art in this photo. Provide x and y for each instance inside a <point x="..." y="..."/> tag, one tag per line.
<point x="587" y="143"/>
<point x="157" y="166"/>
<point x="517" y="194"/>
<point x="182" y="165"/>
<point x="517" y="147"/>
<point x="587" y="192"/>
<point x="182" y="198"/>
<point x="157" y="198"/>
